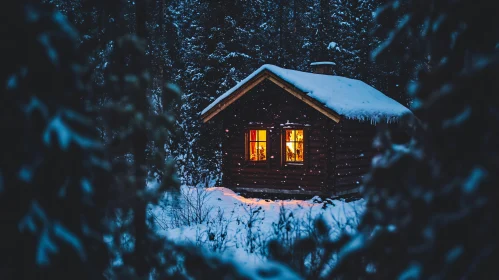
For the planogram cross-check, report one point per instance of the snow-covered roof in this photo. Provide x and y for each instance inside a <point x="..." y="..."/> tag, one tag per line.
<point x="350" y="98"/>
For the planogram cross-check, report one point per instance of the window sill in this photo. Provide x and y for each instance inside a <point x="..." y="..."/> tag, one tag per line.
<point x="294" y="164"/>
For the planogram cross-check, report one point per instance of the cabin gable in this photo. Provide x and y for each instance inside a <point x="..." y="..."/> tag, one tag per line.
<point x="269" y="76"/>
<point x="268" y="101"/>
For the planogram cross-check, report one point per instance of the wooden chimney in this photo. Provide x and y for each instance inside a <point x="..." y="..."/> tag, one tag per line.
<point x="323" y="67"/>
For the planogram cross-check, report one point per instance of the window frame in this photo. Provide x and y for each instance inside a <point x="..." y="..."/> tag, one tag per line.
<point x="247" y="146"/>
<point x="294" y="164"/>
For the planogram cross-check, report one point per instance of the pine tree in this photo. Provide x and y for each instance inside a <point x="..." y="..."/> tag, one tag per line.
<point x="139" y="136"/>
<point x="431" y="206"/>
<point x="54" y="177"/>
<point x="53" y="171"/>
<point x="431" y="202"/>
<point x="350" y="42"/>
<point x="217" y="63"/>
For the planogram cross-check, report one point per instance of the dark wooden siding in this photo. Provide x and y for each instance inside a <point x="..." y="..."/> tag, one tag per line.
<point x="311" y="176"/>
<point x="270" y="107"/>
<point x="353" y="154"/>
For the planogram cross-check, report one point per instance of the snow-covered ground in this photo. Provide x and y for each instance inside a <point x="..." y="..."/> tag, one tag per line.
<point x="236" y="227"/>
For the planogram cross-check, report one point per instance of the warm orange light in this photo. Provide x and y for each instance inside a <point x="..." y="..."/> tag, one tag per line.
<point x="267" y="204"/>
<point x="294" y="145"/>
<point x="257" y="145"/>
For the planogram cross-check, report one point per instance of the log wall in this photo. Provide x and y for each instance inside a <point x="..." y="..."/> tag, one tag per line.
<point x="353" y="155"/>
<point x="270" y="107"/>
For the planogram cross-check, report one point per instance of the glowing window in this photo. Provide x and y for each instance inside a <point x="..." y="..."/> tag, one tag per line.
<point x="294" y="145"/>
<point x="257" y="145"/>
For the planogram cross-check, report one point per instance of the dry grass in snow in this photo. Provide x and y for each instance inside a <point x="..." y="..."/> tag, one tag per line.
<point x="221" y="221"/>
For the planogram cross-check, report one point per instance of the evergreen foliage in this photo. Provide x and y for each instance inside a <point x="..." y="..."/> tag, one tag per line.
<point x="67" y="211"/>
<point x="432" y="202"/>
<point x="436" y="217"/>
<point x="206" y="47"/>
<point x="53" y="171"/>
<point x="89" y="122"/>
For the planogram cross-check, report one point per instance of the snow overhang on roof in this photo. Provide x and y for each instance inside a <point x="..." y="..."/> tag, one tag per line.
<point x="334" y="96"/>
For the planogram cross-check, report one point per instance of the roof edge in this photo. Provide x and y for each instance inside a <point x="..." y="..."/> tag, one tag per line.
<point x="238" y="91"/>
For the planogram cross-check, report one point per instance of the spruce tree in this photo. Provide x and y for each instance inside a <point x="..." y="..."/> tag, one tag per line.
<point x="138" y="137"/>
<point x="56" y="205"/>
<point x="431" y="204"/>
<point x="431" y="201"/>
<point x="53" y="169"/>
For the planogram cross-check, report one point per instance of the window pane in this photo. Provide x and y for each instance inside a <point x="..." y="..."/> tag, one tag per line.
<point x="299" y="135"/>
<point x="262" y="150"/>
<point x="295" y="149"/>
<point x="257" y="145"/>
<point x="299" y="151"/>
<point x="290" y="151"/>
<point x="262" y="135"/>
<point x="253" y="135"/>
<point x="253" y="156"/>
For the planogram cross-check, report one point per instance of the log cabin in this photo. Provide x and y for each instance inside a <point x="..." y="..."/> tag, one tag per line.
<point x="299" y="133"/>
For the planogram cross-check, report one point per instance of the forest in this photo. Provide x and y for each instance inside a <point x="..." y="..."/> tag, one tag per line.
<point x="107" y="170"/>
